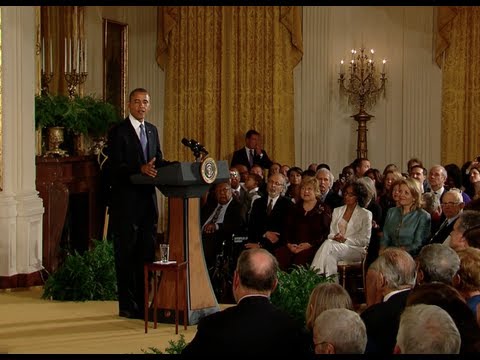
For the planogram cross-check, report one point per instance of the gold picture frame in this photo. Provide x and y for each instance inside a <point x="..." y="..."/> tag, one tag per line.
<point x="115" y="64"/>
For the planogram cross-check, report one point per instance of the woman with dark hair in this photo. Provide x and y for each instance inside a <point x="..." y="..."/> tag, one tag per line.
<point x="450" y="300"/>
<point x="350" y="231"/>
<point x="294" y="175"/>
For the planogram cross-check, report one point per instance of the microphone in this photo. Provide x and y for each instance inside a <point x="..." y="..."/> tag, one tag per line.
<point x="187" y="143"/>
<point x="194" y="145"/>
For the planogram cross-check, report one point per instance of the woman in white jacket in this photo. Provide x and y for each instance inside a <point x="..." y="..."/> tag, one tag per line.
<point x="350" y="231"/>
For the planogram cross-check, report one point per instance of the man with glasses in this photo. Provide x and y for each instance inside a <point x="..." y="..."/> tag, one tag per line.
<point x="452" y="206"/>
<point x="267" y="216"/>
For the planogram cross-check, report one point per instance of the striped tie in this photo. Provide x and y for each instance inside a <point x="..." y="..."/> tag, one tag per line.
<point x="143" y="141"/>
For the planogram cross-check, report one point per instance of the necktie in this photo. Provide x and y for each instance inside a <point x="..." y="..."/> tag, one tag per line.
<point x="236" y="194"/>
<point x="251" y="157"/>
<point x="143" y="141"/>
<point x="216" y="215"/>
<point x="270" y="207"/>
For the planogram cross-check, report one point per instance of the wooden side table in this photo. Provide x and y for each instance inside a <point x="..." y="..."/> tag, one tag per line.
<point x="172" y="267"/>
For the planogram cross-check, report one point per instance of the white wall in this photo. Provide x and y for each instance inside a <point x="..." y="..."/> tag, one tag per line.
<point x="407" y="120"/>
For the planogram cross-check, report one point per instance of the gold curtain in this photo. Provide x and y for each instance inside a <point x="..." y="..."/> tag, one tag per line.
<point x="461" y="89"/>
<point x="229" y="69"/>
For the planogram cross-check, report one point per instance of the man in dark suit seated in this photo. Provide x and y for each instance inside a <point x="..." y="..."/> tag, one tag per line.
<point x="219" y="223"/>
<point x="253" y="327"/>
<point x="452" y="206"/>
<point x="266" y="223"/>
<point x="395" y="273"/>
<point x="325" y="180"/>
<point x="252" y="153"/>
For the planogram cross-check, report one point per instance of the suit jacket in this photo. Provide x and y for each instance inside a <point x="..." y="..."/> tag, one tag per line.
<point x="130" y="202"/>
<point x="233" y="221"/>
<point x="252" y="328"/>
<point x="240" y="157"/>
<point x="382" y="321"/>
<point x="359" y="227"/>
<point x="333" y="200"/>
<point x="260" y="222"/>
<point x="440" y="236"/>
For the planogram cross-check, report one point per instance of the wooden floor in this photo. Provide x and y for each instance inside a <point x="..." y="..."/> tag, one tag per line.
<point x="30" y="325"/>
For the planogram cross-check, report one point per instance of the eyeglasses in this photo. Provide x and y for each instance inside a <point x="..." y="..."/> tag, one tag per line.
<point x="450" y="204"/>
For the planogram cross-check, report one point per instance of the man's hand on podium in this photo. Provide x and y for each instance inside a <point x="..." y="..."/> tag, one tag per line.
<point x="149" y="168"/>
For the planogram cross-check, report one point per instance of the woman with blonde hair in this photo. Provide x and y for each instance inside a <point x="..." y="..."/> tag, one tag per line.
<point x="406" y="226"/>
<point x="323" y="297"/>
<point x="306" y="227"/>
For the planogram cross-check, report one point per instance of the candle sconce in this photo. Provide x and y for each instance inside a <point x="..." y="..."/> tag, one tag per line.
<point x="75" y="65"/>
<point x="74" y="80"/>
<point x="362" y="89"/>
<point x="46" y="74"/>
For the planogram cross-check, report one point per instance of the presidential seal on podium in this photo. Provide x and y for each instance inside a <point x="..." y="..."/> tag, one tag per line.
<point x="208" y="170"/>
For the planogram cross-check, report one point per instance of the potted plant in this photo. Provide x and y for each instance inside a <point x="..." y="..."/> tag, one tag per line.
<point x="79" y="117"/>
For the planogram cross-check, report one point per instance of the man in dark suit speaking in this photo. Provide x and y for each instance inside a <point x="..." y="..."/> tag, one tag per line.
<point x="254" y="327"/>
<point x="133" y="147"/>
<point x="252" y="153"/>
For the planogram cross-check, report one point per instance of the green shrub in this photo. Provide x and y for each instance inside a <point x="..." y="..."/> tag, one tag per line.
<point x="175" y="347"/>
<point x="294" y="288"/>
<point x="87" y="276"/>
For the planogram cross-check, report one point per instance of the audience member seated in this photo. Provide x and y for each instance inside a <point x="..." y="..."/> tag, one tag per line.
<point x="252" y="153"/>
<point x="268" y="216"/>
<point x="253" y="327"/>
<point x="344" y="178"/>
<point x="377" y="179"/>
<point x="437" y="262"/>
<point x="437" y="177"/>
<point x="372" y="206"/>
<point x="327" y="196"/>
<point x="450" y="300"/>
<point x="467" y="220"/>
<point x="407" y="226"/>
<point x="243" y="171"/>
<point x="323" y="297"/>
<point x="252" y="193"/>
<point x="238" y="191"/>
<point x="339" y="331"/>
<point x="419" y="173"/>
<point x="395" y="272"/>
<point x="350" y="232"/>
<point x="220" y="222"/>
<point x="474" y="177"/>
<point x="306" y="227"/>
<point x="274" y="169"/>
<point x="308" y="172"/>
<point x="427" y="329"/>
<point x="386" y="199"/>
<point x="360" y="165"/>
<point x="431" y="204"/>
<point x="294" y="176"/>
<point x="469" y="279"/>
<point x="452" y="206"/>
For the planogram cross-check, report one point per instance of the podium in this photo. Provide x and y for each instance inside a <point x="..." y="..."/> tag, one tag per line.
<point x="183" y="184"/>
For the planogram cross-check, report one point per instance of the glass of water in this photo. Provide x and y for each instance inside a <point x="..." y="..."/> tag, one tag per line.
<point x="164" y="252"/>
